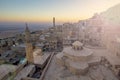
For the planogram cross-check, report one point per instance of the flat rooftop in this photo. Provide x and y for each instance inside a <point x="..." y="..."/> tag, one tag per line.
<point x="41" y="60"/>
<point x="24" y="72"/>
<point x="5" y="69"/>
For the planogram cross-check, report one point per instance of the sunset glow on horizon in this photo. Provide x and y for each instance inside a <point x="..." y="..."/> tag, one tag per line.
<point x="44" y="10"/>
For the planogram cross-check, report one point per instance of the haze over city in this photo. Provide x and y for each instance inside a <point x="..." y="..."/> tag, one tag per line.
<point x="59" y="39"/>
<point x="42" y="11"/>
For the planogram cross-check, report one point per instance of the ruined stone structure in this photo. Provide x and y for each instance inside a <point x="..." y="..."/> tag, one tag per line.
<point x="77" y="58"/>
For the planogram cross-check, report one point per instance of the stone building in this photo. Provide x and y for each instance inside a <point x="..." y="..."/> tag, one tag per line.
<point x="77" y="58"/>
<point x="34" y="55"/>
<point x="53" y="38"/>
<point x="69" y="33"/>
<point x="90" y="30"/>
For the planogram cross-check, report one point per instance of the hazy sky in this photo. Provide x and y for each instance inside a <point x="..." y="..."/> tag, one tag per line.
<point x="44" y="10"/>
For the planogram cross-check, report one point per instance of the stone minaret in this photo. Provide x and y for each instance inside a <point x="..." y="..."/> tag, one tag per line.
<point x="55" y="32"/>
<point x="54" y="22"/>
<point x="29" y="47"/>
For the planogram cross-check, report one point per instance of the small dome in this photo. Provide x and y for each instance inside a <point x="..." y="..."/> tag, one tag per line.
<point x="77" y="45"/>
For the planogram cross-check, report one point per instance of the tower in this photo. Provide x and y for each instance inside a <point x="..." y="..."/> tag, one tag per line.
<point x="54" y="22"/>
<point x="27" y="34"/>
<point x="29" y="47"/>
<point x="55" y="34"/>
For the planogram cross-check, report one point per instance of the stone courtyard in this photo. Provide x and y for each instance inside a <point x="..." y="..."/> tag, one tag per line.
<point x="98" y="72"/>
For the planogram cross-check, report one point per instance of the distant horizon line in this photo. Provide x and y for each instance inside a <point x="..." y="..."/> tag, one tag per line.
<point x="40" y="22"/>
